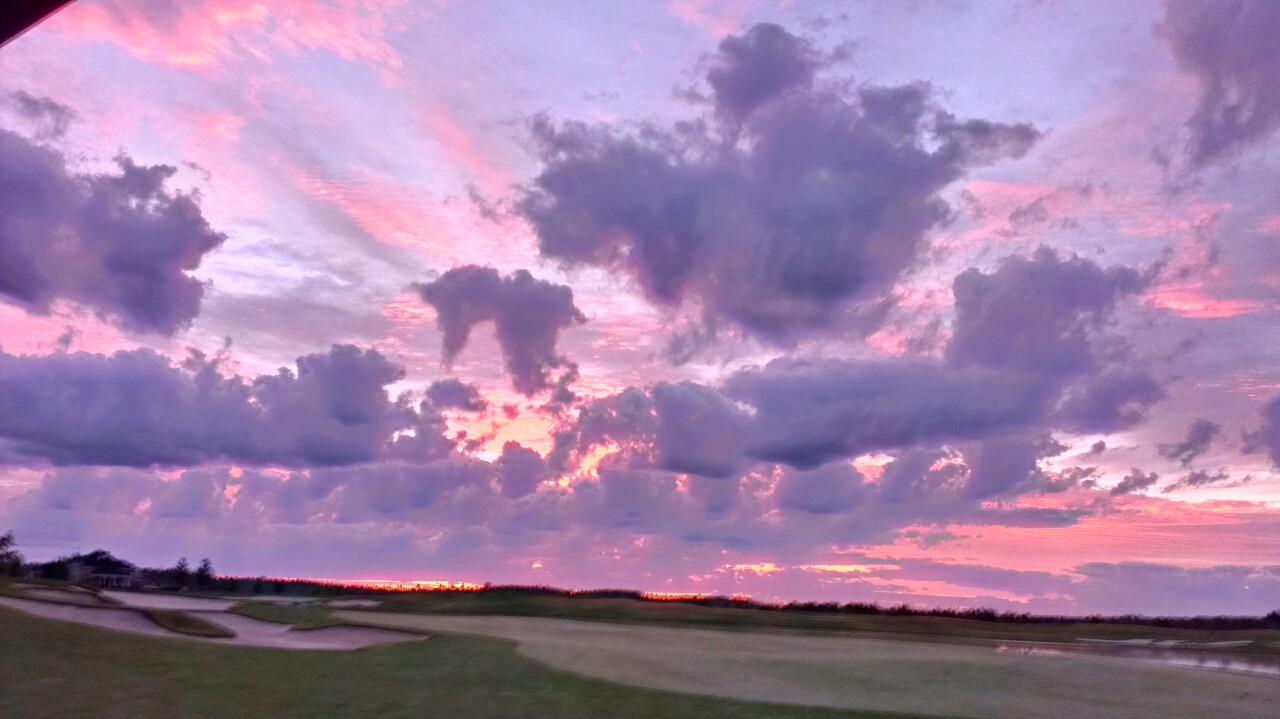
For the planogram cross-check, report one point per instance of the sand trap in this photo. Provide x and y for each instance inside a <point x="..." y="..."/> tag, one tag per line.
<point x="119" y="619"/>
<point x="58" y="595"/>
<point x="864" y="673"/>
<point x="249" y="632"/>
<point x="256" y="632"/>
<point x="170" y="601"/>
<point x="353" y="603"/>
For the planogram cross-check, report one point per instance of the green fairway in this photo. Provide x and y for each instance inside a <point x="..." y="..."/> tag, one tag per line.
<point x="1265" y="641"/>
<point x="55" y="669"/>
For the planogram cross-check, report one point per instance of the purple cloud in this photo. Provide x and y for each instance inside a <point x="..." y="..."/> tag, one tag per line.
<point x="1229" y="46"/>
<point x="118" y="244"/>
<point x="137" y="409"/>
<point x="1200" y="435"/>
<point x="802" y="220"/>
<point x="528" y="313"/>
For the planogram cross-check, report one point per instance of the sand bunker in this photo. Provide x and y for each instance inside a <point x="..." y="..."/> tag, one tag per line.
<point x="170" y="601"/>
<point x="272" y="634"/>
<point x="122" y="620"/>
<point x="249" y="632"/>
<point x="862" y="673"/>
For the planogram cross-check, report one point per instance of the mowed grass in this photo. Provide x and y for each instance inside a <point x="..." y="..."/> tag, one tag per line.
<point x="56" y="669"/>
<point x="866" y="672"/>
<point x="1265" y="641"/>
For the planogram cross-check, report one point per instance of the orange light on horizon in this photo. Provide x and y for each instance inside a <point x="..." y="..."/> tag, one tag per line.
<point x="673" y="596"/>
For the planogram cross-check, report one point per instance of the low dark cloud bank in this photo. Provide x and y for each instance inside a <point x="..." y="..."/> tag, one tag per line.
<point x="137" y="409"/>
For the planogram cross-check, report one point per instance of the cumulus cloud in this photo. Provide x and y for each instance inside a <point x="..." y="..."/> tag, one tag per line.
<point x="1267" y="437"/>
<point x="137" y="409"/>
<point x="762" y="63"/>
<point x="808" y="413"/>
<point x="120" y="244"/>
<point x="1006" y="465"/>
<point x="51" y="118"/>
<point x="520" y="470"/>
<point x="1136" y="480"/>
<point x="1229" y="47"/>
<point x="455" y="394"/>
<point x="1200" y="435"/>
<point x="699" y="431"/>
<point x="800" y="219"/>
<point x="528" y="314"/>
<point x="1202" y="478"/>
<point x="1113" y="400"/>
<point x="833" y="487"/>
<point x="1035" y="314"/>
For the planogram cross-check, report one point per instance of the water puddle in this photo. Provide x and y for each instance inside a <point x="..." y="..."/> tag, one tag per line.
<point x="1195" y="659"/>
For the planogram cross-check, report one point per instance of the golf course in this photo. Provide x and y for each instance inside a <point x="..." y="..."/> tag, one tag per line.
<point x="68" y="652"/>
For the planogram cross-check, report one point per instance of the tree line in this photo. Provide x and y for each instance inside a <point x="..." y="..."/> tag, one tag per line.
<point x="203" y="578"/>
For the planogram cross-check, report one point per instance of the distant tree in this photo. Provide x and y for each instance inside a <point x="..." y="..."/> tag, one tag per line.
<point x="259" y="585"/>
<point x="10" y="558"/>
<point x="181" y="572"/>
<point x="204" y="574"/>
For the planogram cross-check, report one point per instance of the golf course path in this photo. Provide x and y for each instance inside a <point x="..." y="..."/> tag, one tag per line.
<point x="863" y="673"/>
<point x="249" y="632"/>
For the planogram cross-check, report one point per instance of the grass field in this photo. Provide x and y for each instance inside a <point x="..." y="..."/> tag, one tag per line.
<point x="871" y="673"/>
<point x="55" y="669"/>
<point x="683" y="614"/>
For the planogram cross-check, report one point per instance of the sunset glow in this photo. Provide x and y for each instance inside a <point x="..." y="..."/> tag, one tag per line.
<point x="782" y="300"/>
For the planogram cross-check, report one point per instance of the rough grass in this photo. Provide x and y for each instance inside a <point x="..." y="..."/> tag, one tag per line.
<point x="867" y="673"/>
<point x="56" y="669"/>
<point x="286" y="614"/>
<point x="183" y="623"/>
<point x="74" y="593"/>
<point x="913" y="627"/>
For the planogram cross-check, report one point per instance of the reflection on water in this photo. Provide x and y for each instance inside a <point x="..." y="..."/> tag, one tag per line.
<point x="1178" y="657"/>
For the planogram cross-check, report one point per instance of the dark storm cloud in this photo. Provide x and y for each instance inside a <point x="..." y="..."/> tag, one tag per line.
<point x="1200" y="435"/>
<point x="137" y="409"/>
<point x="528" y="314"/>
<point x="456" y="394"/>
<point x="1230" y="47"/>
<point x="802" y="218"/>
<point x="118" y="243"/>
<point x="51" y="117"/>
<point x="1135" y="481"/>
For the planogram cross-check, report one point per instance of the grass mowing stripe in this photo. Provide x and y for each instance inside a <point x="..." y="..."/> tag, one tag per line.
<point x="57" y="669"/>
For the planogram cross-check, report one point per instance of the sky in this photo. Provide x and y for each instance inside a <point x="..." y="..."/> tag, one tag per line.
<point x="953" y="303"/>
